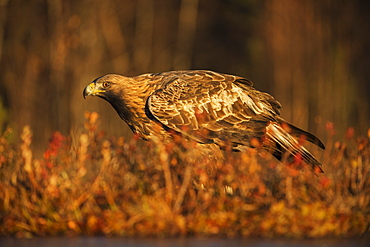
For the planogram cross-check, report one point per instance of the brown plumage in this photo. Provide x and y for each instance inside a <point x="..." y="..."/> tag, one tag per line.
<point x="208" y="107"/>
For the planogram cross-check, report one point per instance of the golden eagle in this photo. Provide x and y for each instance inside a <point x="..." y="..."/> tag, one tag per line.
<point x="205" y="106"/>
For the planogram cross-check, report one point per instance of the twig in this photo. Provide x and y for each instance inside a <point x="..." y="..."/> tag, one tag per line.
<point x="184" y="186"/>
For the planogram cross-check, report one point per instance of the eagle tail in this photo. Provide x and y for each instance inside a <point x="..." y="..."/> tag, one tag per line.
<point x="293" y="130"/>
<point x="288" y="149"/>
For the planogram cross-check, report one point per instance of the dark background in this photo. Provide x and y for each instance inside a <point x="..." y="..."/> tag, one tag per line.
<point x="313" y="56"/>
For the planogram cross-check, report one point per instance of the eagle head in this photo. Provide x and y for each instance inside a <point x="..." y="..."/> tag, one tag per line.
<point x="118" y="91"/>
<point x="106" y="87"/>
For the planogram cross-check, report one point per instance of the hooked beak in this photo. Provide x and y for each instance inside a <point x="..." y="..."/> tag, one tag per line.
<point x="91" y="90"/>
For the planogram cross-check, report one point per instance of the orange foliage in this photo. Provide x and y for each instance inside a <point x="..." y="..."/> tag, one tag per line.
<point x="94" y="184"/>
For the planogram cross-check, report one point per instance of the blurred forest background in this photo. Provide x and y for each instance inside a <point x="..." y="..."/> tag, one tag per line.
<point x="313" y="56"/>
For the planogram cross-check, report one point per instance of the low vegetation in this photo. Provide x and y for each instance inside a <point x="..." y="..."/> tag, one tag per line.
<point x="91" y="184"/>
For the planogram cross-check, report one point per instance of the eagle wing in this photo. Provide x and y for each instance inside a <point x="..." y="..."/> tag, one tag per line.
<point x="210" y="107"/>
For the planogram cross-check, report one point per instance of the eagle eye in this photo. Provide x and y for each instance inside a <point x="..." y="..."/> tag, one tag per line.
<point x="106" y="84"/>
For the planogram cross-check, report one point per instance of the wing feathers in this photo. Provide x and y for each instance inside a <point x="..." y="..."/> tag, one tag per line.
<point x="212" y="102"/>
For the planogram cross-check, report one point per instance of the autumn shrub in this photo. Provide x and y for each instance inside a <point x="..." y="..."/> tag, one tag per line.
<point x="93" y="184"/>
